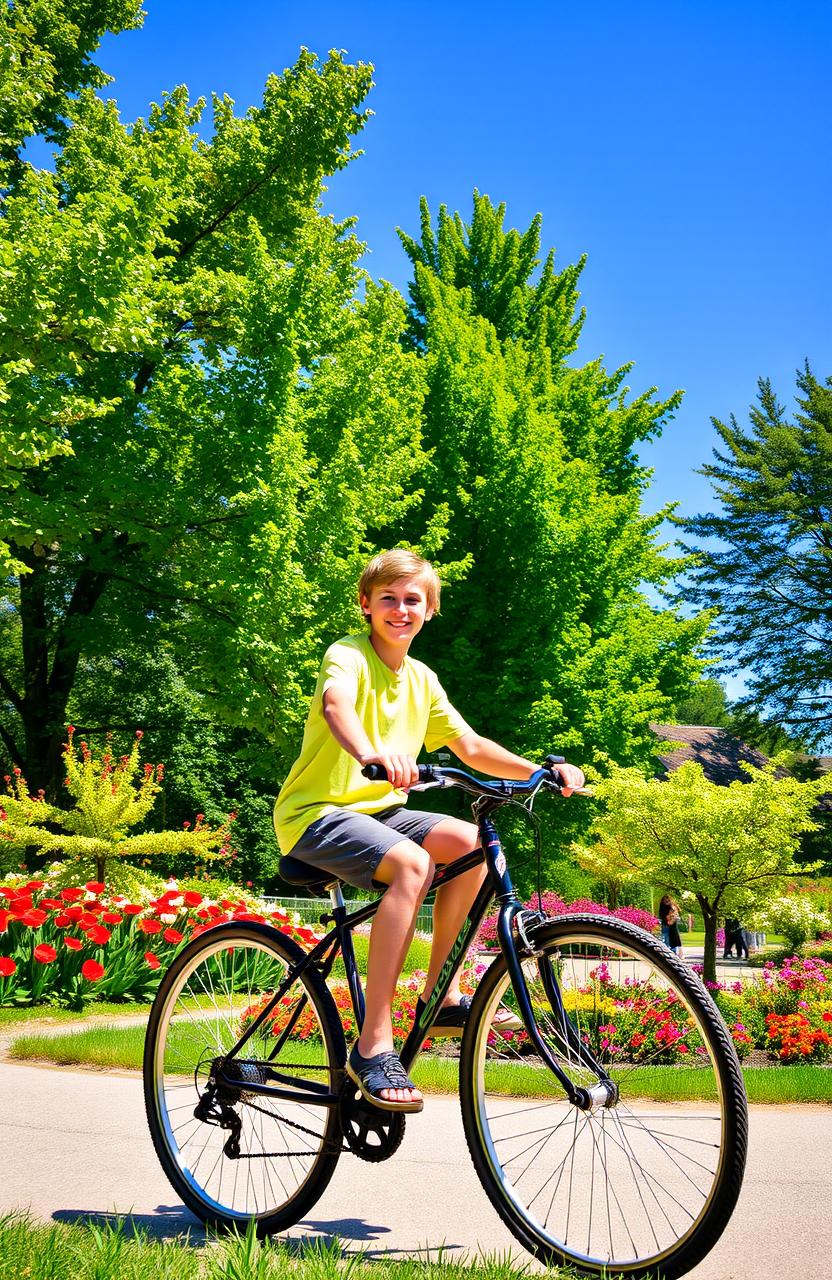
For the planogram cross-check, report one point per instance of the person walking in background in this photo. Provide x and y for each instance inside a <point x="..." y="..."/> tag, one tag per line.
<point x="674" y="937"/>
<point x="735" y="936"/>
<point x="665" y="907"/>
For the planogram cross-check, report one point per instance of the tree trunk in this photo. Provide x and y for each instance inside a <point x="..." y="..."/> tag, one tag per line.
<point x="46" y="689"/>
<point x="710" y="918"/>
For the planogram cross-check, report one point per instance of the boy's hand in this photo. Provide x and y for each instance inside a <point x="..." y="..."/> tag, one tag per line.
<point x="402" y="771"/>
<point x="572" y="779"/>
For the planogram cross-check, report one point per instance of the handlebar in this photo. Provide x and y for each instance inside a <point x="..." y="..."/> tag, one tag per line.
<point x="499" y="789"/>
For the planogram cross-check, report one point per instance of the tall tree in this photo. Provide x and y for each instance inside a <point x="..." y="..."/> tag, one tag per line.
<point x="236" y="426"/>
<point x="769" y="574"/>
<point x="549" y="641"/>
<point x="45" y="48"/>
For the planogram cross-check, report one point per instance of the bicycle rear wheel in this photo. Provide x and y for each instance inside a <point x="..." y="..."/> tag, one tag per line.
<point x="643" y="1187"/>
<point x="286" y="1150"/>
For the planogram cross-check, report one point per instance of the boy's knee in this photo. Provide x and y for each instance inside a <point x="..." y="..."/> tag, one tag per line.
<point x="407" y="866"/>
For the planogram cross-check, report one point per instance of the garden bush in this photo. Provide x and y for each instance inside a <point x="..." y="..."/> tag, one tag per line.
<point x="551" y="904"/>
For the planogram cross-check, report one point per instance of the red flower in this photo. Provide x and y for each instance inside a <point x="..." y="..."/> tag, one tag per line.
<point x="34" y="918"/>
<point x="72" y="895"/>
<point x="62" y="920"/>
<point x="4" y="920"/>
<point x="149" y="926"/>
<point x="87" y="919"/>
<point x="74" y="912"/>
<point x="112" y="917"/>
<point x="192" y="899"/>
<point x="44" y="954"/>
<point x="52" y="904"/>
<point x="95" y="886"/>
<point x="98" y="934"/>
<point x="172" y="935"/>
<point x="132" y="908"/>
<point x="92" y="970"/>
<point x="74" y="944"/>
<point x="34" y="885"/>
<point x="21" y="904"/>
<point x="152" y="960"/>
<point x="7" y="966"/>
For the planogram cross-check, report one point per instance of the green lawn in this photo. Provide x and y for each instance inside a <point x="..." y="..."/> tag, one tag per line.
<point x="115" y="1248"/>
<point x="122" y="1047"/>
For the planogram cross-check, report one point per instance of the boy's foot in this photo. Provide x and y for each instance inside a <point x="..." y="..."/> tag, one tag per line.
<point x="382" y="1072"/>
<point x="450" y="1019"/>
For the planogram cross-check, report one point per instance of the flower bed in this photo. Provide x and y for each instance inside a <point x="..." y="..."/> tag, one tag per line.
<point x="83" y="943"/>
<point x="551" y="904"/>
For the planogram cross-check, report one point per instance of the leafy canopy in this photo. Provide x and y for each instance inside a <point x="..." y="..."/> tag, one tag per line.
<point x="729" y="847"/>
<point x="769" y="574"/>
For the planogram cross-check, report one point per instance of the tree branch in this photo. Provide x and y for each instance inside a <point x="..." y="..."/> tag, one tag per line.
<point x="11" y="693"/>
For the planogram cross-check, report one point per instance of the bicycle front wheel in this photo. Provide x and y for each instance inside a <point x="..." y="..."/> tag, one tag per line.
<point x="282" y="1152"/>
<point x="642" y="1187"/>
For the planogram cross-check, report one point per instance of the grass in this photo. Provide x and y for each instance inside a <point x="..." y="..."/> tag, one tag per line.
<point x="121" y="1048"/>
<point x="114" y="1248"/>
<point x="12" y="1015"/>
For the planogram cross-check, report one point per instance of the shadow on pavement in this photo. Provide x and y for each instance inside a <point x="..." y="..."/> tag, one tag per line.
<point x="169" y="1222"/>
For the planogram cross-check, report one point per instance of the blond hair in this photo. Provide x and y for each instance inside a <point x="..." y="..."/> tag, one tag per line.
<point x="390" y="566"/>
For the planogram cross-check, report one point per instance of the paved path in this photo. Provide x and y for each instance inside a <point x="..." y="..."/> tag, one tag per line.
<point x="76" y="1144"/>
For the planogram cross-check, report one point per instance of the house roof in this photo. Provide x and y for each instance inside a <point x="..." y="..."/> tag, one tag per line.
<point x="719" y="752"/>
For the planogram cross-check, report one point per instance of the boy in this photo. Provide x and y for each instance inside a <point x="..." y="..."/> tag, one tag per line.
<point x="373" y="703"/>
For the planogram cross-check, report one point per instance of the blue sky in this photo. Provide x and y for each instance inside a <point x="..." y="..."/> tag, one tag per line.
<point x="683" y="147"/>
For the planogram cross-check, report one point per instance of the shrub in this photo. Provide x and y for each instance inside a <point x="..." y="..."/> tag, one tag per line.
<point x="551" y="904"/>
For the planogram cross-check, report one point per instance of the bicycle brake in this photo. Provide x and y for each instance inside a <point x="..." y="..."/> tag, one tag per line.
<point x="524" y="921"/>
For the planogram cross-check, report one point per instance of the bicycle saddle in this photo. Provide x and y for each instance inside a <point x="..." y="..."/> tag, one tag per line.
<point x="300" y="874"/>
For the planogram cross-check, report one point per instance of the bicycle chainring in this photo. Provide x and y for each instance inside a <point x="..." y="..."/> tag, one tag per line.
<point x="370" y="1133"/>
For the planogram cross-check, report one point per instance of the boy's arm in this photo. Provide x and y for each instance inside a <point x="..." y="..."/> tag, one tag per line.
<point x="489" y="757"/>
<point x="348" y="731"/>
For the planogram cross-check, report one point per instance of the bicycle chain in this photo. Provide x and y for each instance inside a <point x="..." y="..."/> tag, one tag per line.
<point x="329" y="1147"/>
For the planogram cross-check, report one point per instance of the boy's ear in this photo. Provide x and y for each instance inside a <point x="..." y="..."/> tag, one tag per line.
<point x="365" y="606"/>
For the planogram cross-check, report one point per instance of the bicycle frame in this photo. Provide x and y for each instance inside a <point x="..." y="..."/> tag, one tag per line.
<point x="497" y="885"/>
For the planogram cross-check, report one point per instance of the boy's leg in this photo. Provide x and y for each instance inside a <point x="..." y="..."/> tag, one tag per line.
<point x="448" y="840"/>
<point x="408" y="870"/>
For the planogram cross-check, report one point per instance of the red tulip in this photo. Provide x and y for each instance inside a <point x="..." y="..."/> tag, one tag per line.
<point x="74" y="944"/>
<point x="7" y="966"/>
<point x="92" y="970"/>
<point x="152" y="960"/>
<point x="44" y="953"/>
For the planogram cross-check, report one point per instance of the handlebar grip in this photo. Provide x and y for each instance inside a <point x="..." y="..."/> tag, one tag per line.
<point x="375" y="772"/>
<point x="378" y="773"/>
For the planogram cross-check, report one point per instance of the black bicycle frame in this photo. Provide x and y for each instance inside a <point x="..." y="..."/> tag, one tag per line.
<point x="497" y="885"/>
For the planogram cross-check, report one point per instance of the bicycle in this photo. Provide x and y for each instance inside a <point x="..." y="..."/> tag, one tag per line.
<point x="609" y="1134"/>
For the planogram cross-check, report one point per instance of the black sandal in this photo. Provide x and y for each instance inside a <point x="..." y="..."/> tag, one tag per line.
<point x="381" y="1071"/>
<point x="450" y="1020"/>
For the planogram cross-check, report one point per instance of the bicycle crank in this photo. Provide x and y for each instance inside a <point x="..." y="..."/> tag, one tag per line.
<point x="370" y="1133"/>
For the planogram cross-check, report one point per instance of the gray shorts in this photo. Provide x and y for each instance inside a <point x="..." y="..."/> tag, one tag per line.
<point x="350" y="845"/>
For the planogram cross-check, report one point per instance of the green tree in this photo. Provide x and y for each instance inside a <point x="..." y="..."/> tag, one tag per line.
<point x="769" y="572"/>
<point x="237" y="426"/>
<point x="549" y="641"/>
<point x="92" y="838"/>
<point x="44" y="59"/>
<point x="729" y="847"/>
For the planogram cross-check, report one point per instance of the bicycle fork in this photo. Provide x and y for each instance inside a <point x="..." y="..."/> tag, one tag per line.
<point x="509" y="924"/>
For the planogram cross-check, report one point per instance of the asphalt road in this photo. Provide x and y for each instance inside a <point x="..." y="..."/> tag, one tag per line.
<point x="75" y="1144"/>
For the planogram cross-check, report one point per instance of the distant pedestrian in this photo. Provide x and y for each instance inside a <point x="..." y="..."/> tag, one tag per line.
<point x="669" y="917"/>
<point x="735" y="936"/>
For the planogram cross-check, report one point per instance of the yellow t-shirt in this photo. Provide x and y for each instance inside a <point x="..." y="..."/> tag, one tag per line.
<point x="400" y="711"/>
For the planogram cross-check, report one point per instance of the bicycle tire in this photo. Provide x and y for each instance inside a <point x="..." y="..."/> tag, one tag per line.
<point x="289" y="1150"/>
<point x="656" y="1177"/>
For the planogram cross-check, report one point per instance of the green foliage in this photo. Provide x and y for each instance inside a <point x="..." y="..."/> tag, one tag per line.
<point x="110" y="798"/>
<point x="795" y="917"/>
<point x="767" y="567"/>
<point x="727" y="847"/>
<point x="236" y="426"/>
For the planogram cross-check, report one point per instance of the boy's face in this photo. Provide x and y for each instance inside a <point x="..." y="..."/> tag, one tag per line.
<point x="398" y="610"/>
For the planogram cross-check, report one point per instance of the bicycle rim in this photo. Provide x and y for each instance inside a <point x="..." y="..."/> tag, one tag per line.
<point x="287" y="1149"/>
<point x="644" y="1187"/>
